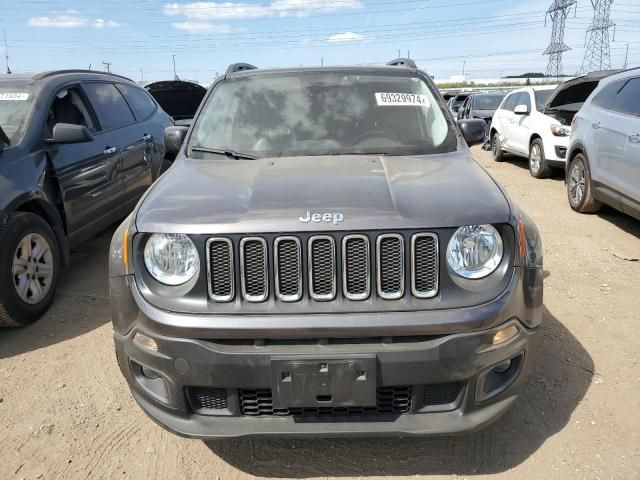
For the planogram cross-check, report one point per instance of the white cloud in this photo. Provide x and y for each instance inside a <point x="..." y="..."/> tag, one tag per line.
<point x="346" y="37"/>
<point x="237" y="11"/>
<point x="203" y="27"/>
<point x="70" y="19"/>
<point x="101" y="23"/>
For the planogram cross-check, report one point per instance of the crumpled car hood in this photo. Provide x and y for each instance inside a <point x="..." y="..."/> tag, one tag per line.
<point x="359" y="191"/>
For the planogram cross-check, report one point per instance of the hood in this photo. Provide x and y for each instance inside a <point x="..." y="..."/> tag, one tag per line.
<point x="575" y="92"/>
<point x="360" y="192"/>
<point x="178" y="98"/>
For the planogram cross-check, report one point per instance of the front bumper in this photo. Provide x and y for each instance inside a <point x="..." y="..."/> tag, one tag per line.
<point x="422" y="352"/>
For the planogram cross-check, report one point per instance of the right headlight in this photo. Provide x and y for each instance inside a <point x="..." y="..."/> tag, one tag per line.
<point x="475" y="251"/>
<point x="171" y="258"/>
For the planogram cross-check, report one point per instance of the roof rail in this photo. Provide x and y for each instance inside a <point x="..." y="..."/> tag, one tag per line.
<point x="402" y="62"/>
<point x="53" y="73"/>
<point x="239" y="67"/>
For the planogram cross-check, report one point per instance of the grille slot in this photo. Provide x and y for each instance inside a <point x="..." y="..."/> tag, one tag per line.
<point x="204" y="399"/>
<point x="389" y="401"/>
<point x="441" y="393"/>
<point x="356" y="277"/>
<point x="322" y="267"/>
<point x="220" y="275"/>
<point x="288" y="268"/>
<point x="424" y="268"/>
<point x="253" y="268"/>
<point x="390" y="262"/>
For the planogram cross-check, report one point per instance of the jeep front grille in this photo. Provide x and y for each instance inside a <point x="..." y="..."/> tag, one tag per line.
<point x="324" y="268"/>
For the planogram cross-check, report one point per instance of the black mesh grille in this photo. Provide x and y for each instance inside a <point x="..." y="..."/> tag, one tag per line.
<point x="389" y="401"/>
<point x="289" y="269"/>
<point x="254" y="269"/>
<point x="221" y="269"/>
<point x="356" y="268"/>
<point x="441" y="393"/>
<point x="425" y="265"/>
<point x="202" y="398"/>
<point x="391" y="266"/>
<point x="323" y="265"/>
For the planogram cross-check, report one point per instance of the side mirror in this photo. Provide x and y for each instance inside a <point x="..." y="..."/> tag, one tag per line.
<point x="521" y="110"/>
<point x="473" y="130"/>
<point x="174" y="138"/>
<point x="69" y="133"/>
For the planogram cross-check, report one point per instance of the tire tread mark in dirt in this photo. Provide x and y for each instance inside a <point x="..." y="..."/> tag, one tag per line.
<point x="109" y="444"/>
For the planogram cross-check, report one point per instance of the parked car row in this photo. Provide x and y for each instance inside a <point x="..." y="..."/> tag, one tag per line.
<point x="588" y="126"/>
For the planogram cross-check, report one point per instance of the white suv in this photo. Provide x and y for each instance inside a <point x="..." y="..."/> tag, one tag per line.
<point x="519" y="127"/>
<point x="535" y="122"/>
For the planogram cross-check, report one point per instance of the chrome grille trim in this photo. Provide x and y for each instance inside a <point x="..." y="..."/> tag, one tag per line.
<point x="323" y="297"/>
<point x="345" y="268"/>
<point x="214" y="296"/>
<point x="263" y="271"/>
<point x="276" y="261"/>
<point x="394" y="294"/>
<point x="433" y="266"/>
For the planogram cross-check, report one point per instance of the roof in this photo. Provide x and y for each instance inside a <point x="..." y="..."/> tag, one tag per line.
<point x="44" y="76"/>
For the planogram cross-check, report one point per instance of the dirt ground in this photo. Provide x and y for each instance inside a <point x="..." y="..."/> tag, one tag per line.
<point x="65" y="411"/>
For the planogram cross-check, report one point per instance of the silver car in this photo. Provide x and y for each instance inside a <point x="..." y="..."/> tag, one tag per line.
<point x="604" y="152"/>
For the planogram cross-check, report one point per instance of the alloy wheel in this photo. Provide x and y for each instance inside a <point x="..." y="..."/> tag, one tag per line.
<point x="535" y="158"/>
<point x="577" y="183"/>
<point x="33" y="268"/>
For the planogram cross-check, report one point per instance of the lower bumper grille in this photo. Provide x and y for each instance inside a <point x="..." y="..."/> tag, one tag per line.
<point x="389" y="401"/>
<point x="203" y="399"/>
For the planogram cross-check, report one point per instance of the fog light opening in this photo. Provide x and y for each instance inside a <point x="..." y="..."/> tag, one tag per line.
<point x="149" y="373"/>
<point x="145" y="342"/>
<point x="501" y="367"/>
<point x="505" y="334"/>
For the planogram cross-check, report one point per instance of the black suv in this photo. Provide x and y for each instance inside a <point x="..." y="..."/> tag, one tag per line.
<point x="77" y="150"/>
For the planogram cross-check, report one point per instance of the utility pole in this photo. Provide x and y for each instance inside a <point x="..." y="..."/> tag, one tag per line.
<point x="399" y="53"/>
<point x="6" y="52"/>
<point x="626" y="57"/>
<point x="107" y="66"/>
<point x="408" y="54"/>
<point x="321" y="61"/>
<point x="464" y="64"/>
<point x="558" y="12"/>
<point x="175" y="75"/>
<point x="597" y="56"/>
<point x="141" y="76"/>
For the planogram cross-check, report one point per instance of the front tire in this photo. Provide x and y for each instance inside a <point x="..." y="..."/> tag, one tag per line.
<point x="579" y="189"/>
<point x="496" y="148"/>
<point x="538" y="166"/>
<point x="29" y="267"/>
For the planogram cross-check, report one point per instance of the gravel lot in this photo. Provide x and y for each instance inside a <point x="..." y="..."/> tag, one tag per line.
<point x="65" y="411"/>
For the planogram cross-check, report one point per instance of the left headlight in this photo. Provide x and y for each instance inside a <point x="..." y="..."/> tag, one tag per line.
<point x="475" y="251"/>
<point x="171" y="258"/>
<point x="560" y="130"/>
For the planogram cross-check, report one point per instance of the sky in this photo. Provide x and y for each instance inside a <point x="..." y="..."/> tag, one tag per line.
<point x="488" y="38"/>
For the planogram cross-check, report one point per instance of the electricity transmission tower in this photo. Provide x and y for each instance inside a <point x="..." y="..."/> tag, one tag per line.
<point x="597" y="56"/>
<point x="558" y="12"/>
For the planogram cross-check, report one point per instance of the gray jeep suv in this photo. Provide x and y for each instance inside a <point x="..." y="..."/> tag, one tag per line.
<point x="325" y="257"/>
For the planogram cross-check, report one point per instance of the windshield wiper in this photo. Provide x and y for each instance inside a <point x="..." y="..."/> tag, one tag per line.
<point x="225" y="152"/>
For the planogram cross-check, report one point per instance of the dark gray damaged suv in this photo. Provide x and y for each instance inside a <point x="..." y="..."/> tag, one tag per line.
<point x="325" y="258"/>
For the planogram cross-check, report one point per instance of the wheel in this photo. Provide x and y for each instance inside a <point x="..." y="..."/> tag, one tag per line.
<point x="496" y="148"/>
<point x="29" y="266"/>
<point x="579" y="189"/>
<point x="538" y="166"/>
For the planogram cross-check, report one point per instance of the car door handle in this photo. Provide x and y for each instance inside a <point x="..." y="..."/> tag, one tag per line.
<point x="596" y="125"/>
<point x="110" y="150"/>
<point x="147" y="137"/>
<point x="635" y="138"/>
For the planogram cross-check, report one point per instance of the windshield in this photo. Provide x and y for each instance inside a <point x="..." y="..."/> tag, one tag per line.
<point x="541" y="97"/>
<point x="16" y="101"/>
<point x="487" y="102"/>
<point x="323" y="113"/>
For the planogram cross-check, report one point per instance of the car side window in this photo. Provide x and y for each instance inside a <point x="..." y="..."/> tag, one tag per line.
<point x="139" y="100"/>
<point x="627" y="100"/>
<point x="68" y="106"/>
<point x="605" y="96"/>
<point x="510" y="103"/>
<point x="111" y="107"/>
<point x="523" y="99"/>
